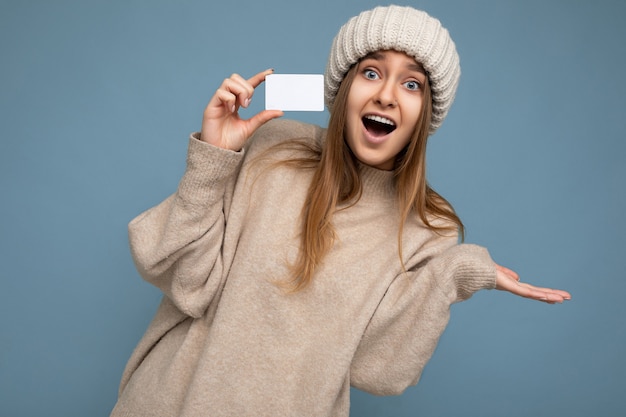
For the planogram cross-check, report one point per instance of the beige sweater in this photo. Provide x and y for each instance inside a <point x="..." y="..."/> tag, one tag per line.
<point x="226" y="341"/>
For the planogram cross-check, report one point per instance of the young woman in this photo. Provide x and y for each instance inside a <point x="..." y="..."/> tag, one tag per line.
<point x="297" y="261"/>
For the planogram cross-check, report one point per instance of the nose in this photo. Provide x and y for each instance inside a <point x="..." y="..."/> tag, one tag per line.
<point x="386" y="95"/>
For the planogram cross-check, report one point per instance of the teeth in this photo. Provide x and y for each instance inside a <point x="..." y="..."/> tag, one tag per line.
<point x="380" y="119"/>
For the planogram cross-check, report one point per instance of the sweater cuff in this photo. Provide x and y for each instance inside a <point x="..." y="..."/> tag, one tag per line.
<point x="208" y="169"/>
<point x="473" y="268"/>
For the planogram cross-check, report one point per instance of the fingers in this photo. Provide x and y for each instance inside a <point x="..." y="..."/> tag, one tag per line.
<point x="561" y="293"/>
<point x="236" y="91"/>
<point x="546" y="295"/>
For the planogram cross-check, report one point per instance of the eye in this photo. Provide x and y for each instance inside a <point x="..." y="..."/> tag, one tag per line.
<point x="412" y="85"/>
<point x="370" y="74"/>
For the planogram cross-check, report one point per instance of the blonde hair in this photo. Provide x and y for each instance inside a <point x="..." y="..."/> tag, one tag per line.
<point x="336" y="180"/>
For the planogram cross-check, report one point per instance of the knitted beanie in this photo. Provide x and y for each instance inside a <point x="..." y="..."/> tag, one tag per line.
<point x="402" y="29"/>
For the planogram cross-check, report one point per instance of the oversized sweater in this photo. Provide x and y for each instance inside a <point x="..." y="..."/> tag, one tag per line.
<point x="228" y="341"/>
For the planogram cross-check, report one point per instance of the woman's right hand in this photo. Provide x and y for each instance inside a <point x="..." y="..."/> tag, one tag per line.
<point x="221" y="124"/>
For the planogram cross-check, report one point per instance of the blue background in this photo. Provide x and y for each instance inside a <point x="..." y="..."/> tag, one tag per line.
<point x="97" y="99"/>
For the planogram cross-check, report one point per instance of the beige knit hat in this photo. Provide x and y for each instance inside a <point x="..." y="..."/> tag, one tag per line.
<point x="403" y="29"/>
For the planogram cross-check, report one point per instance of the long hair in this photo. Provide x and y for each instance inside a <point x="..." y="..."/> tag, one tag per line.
<point x="336" y="180"/>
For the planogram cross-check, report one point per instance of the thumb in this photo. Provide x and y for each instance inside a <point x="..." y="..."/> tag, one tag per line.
<point x="263" y="117"/>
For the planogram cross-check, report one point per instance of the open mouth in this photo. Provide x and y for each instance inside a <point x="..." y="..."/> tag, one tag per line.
<point x="378" y="125"/>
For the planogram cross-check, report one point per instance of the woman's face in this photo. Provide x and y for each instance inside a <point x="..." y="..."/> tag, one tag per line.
<point x="383" y="107"/>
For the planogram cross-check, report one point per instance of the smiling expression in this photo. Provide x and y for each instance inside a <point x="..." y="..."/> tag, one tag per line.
<point x="383" y="107"/>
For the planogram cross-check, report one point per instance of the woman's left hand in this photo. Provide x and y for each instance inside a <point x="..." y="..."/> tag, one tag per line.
<point x="507" y="280"/>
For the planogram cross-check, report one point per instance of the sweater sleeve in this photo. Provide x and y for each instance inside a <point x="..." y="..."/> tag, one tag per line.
<point x="405" y="329"/>
<point x="177" y="244"/>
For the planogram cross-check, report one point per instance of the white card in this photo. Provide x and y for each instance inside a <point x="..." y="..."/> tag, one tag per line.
<point x="294" y="92"/>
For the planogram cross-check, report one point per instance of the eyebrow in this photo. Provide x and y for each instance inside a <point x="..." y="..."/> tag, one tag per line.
<point x="380" y="56"/>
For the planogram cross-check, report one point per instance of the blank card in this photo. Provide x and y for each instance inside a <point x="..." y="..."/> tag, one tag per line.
<point x="294" y="92"/>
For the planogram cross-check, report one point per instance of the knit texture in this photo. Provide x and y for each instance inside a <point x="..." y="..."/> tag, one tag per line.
<point x="227" y="341"/>
<point x="403" y="29"/>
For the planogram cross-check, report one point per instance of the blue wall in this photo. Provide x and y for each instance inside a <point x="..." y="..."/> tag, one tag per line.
<point x="97" y="99"/>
